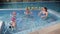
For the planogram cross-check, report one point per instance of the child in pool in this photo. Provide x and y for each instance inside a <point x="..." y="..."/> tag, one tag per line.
<point x="13" y="20"/>
<point x="43" y="13"/>
<point x="27" y="12"/>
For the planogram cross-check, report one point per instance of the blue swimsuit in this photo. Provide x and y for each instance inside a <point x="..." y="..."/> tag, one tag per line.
<point x="43" y="14"/>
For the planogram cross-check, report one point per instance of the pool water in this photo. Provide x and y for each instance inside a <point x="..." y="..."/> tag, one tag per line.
<point x="24" y="23"/>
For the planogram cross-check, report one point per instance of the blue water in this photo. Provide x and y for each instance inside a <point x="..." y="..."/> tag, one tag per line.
<point x="24" y="23"/>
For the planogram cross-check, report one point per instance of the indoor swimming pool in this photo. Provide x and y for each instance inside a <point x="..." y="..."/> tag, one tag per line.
<point x="24" y="24"/>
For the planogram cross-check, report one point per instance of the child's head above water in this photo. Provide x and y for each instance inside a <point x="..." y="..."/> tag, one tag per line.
<point x="27" y="11"/>
<point x="44" y="9"/>
<point x="27" y="8"/>
<point x="14" y="13"/>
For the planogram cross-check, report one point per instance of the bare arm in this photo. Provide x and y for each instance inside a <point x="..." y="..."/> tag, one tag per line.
<point x="46" y="14"/>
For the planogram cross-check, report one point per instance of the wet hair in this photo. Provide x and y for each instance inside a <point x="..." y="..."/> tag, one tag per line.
<point x="27" y="8"/>
<point x="45" y="9"/>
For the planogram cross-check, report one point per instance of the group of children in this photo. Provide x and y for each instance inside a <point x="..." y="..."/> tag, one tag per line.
<point x="43" y="14"/>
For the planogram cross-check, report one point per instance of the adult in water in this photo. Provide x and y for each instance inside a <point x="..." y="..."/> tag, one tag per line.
<point x="13" y="20"/>
<point x="43" y="13"/>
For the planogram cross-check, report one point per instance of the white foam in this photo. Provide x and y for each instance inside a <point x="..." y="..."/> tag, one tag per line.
<point x="1" y="22"/>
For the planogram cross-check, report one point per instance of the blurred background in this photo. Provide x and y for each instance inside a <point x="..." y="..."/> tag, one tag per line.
<point x="25" y="0"/>
<point x="19" y="4"/>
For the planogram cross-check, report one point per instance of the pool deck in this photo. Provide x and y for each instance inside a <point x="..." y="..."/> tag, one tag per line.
<point x="55" y="29"/>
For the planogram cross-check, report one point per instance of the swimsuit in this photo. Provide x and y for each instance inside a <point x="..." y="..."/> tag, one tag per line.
<point x="13" y="19"/>
<point x="43" y="14"/>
